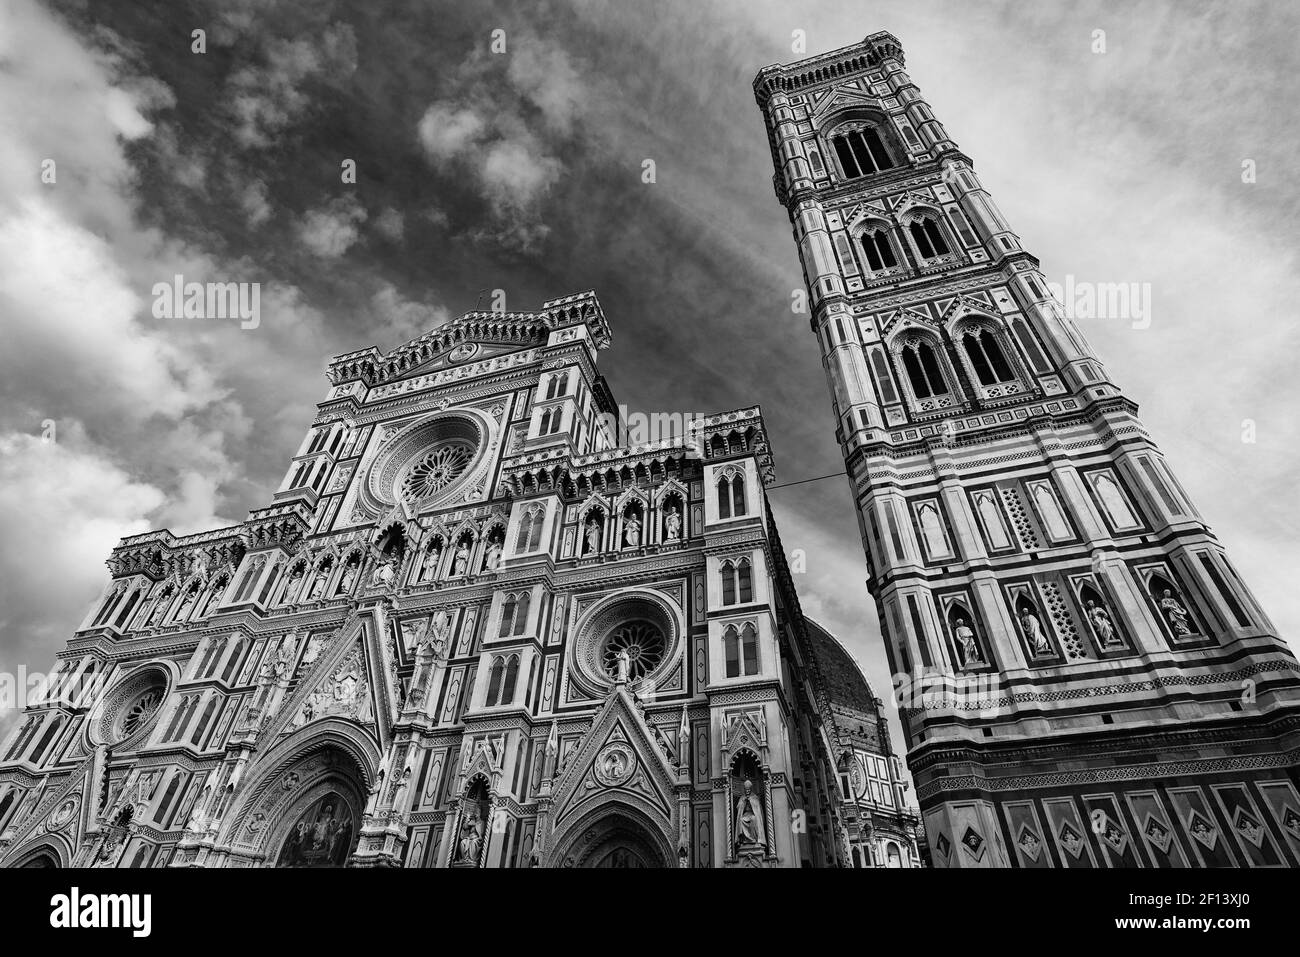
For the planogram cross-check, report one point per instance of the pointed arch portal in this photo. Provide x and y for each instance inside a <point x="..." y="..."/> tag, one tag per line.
<point x="614" y="836"/>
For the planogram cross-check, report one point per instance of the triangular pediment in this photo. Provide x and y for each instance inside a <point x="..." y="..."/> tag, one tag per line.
<point x="463" y="353"/>
<point x="843" y="97"/>
<point x="353" y="677"/>
<point x="863" y="212"/>
<point x="58" y="810"/>
<point x="618" y="754"/>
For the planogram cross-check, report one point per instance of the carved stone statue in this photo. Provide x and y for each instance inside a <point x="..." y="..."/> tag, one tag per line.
<point x="492" y="560"/>
<point x="381" y="573"/>
<point x="1033" y="630"/>
<point x="318" y="586"/>
<point x="156" y="612"/>
<point x="192" y="595"/>
<point x="346" y="581"/>
<point x="314" y="645"/>
<point x="430" y="563"/>
<point x="749" y="820"/>
<point x="632" y="532"/>
<point x="1175" y="613"/>
<point x="970" y="649"/>
<point x="294" y="586"/>
<point x="673" y="524"/>
<point x="1102" y="625"/>
<point x="470" y="841"/>
<point x="622" y="665"/>
<point x="439" y="635"/>
<point x="593" y="535"/>
<point x="462" y="560"/>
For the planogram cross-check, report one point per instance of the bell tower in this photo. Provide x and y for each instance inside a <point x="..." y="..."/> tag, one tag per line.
<point x="1084" y="679"/>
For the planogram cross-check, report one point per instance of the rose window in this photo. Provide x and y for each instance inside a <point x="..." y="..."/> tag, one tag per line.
<point x="436" y="469"/>
<point x="140" y="711"/>
<point x="644" y="644"/>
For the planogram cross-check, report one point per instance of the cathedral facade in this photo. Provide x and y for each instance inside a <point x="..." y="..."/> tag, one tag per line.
<point x="471" y="629"/>
<point x="1084" y="679"/>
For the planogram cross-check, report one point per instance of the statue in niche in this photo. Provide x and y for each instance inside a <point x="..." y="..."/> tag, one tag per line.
<point x="593" y="535"/>
<point x="430" y="563"/>
<point x="1102" y="625"/>
<point x="673" y="524"/>
<point x="318" y="586"/>
<point x="462" y="560"/>
<point x="492" y="560"/>
<point x="1033" y="630"/>
<point x="192" y="594"/>
<point x="440" y="634"/>
<point x="384" y="569"/>
<point x="471" y="837"/>
<point x="349" y="577"/>
<point x="749" y="820"/>
<point x="631" y="531"/>
<point x="399" y="789"/>
<point x="1175" y="614"/>
<point x="970" y="649"/>
<point x="156" y="612"/>
<point x="295" y="585"/>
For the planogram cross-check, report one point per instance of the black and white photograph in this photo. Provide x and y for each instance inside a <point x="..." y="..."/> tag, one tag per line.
<point x="590" y="434"/>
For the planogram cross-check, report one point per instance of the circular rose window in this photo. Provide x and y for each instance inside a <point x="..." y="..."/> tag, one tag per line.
<point x="639" y="628"/>
<point x="439" y="461"/>
<point x="644" y="644"/>
<point x="436" y="469"/>
<point x="131" y="706"/>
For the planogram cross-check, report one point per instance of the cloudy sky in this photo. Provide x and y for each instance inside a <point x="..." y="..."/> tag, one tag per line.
<point x="522" y="172"/>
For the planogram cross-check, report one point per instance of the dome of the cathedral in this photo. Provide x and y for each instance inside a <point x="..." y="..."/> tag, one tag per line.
<point x="843" y="680"/>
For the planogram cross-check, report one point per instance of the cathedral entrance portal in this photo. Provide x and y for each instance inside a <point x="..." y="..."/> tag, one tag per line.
<point x="616" y="840"/>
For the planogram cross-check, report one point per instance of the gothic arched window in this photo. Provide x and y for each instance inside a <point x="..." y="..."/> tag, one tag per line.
<point x="986" y="357"/>
<point x="236" y="653"/>
<point x="749" y="650"/>
<point x="202" y="670"/>
<point x="923" y="371"/>
<point x="108" y="606"/>
<point x="508" y="617"/>
<point x="502" y="679"/>
<point x="731" y="650"/>
<point x="861" y="152"/>
<point x="124" y="616"/>
<point x="731" y="496"/>
<point x="728" y="583"/>
<point x="250" y="579"/>
<point x="878" y="250"/>
<point x="6" y="803"/>
<point x="271" y="579"/>
<point x="202" y="726"/>
<point x="928" y="237"/>
<point x="745" y="585"/>
<point x="740" y="649"/>
<point x="495" y="675"/>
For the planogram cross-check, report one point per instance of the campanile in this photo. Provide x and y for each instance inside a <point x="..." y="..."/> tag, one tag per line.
<point x="1084" y="679"/>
